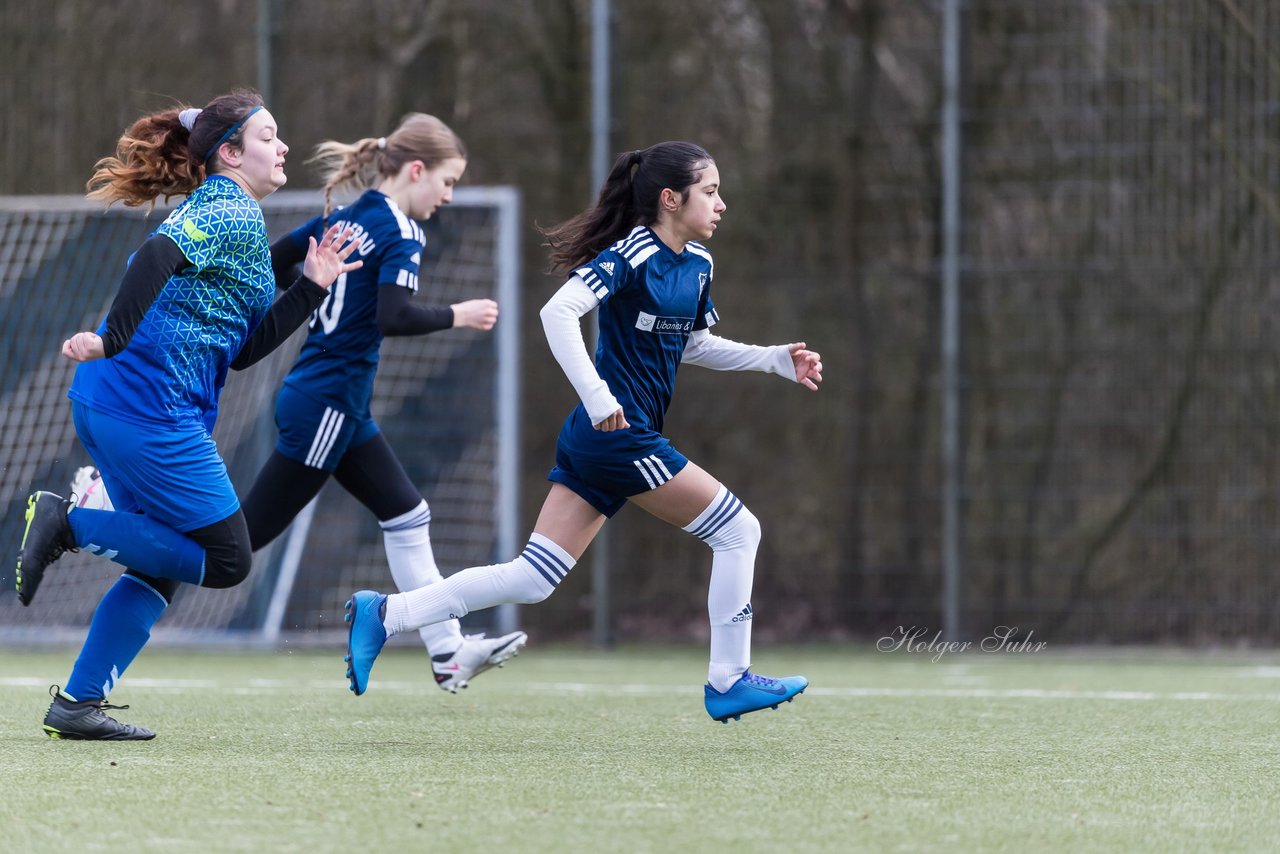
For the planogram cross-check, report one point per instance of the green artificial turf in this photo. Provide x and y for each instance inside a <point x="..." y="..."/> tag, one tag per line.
<point x="571" y="750"/>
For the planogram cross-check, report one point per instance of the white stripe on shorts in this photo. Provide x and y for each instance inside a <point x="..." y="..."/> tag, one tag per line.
<point x="326" y="435"/>
<point x="666" y="473"/>
<point x="653" y="469"/>
<point x="644" y="471"/>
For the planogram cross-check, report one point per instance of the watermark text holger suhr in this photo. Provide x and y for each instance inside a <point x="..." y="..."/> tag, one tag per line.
<point x="919" y="639"/>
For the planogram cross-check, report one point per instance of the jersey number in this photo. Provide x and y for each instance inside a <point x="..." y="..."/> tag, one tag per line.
<point x="331" y="309"/>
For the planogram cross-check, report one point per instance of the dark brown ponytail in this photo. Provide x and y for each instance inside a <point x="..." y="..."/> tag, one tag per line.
<point x="628" y="198"/>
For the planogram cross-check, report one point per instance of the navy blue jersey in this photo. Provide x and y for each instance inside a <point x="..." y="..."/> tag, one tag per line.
<point x="338" y="362"/>
<point x="651" y="299"/>
<point x="174" y="367"/>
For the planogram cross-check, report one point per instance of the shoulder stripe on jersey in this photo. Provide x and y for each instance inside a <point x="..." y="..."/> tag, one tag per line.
<point x="408" y="228"/>
<point x="326" y="435"/>
<point x="699" y="249"/>
<point x="592" y="281"/>
<point x="636" y="246"/>
<point x="643" y="255"/>
<point x="635" y="232"/>
<point x="407" y="280"/>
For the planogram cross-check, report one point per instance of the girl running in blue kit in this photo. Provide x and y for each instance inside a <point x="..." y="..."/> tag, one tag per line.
<point x="323" y="412"/>
<point x="635" y="256"/>
<point x="195" y="301"/>
<point x="326" y="427"/>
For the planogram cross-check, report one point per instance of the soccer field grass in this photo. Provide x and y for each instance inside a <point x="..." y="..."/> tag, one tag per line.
<point x="569" y="750"/>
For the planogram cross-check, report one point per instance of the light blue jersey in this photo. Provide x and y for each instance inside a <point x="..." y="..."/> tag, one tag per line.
<point x="174" y="367"/>
<point x="338" y="362"/>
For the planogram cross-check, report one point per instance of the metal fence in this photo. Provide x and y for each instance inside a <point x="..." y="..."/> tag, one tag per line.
<point x="1119" y="371"/>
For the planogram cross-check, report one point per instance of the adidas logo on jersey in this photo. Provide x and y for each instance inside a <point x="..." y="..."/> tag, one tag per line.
<point x="607" y="266"/>
<point x="744" y="615"/>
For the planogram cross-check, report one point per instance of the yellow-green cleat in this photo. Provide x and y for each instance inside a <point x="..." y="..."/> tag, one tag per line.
<point x="44" y="540"/>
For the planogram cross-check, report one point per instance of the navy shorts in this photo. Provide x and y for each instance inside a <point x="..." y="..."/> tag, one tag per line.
<point x="175" y="476"/>
<point x="315" y="434"/>
<point x="605" y="469"/>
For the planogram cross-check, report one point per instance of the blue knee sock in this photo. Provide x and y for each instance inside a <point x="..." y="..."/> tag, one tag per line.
<point x="138" y="542"/>
<point x="120" y="628"/>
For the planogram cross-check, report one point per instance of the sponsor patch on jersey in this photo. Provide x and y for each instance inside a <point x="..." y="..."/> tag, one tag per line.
<point x="607" y="266"/>
<point x="664" y="325"/>
<point x="190" y="229"/>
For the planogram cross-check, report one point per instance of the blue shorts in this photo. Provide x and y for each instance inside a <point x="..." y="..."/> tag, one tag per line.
<point x="315" y="434"/>
<point x="605" y="469"/>
<point x="175" y="476"/>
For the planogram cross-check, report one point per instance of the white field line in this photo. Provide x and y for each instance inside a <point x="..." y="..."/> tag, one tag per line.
<point x="271" y="686"/>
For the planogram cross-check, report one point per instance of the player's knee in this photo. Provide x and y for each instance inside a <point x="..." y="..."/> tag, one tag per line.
<point x="741" y="531"/>
<point x="529" y="586"/>
<point x="228" y="551"/>
<point x="749" y="529"/>
<point x="532" y="596"/>
<point x="228" y="567"/>
<point x="165" y="588"/>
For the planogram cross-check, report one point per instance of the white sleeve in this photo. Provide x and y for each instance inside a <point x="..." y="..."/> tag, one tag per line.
<point x="561" y="321"/>
<point x="721" y="354"/>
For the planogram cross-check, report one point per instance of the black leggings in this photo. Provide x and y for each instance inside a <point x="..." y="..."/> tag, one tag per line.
<point x="370" y="472"/>
<point x="227" y="556"/>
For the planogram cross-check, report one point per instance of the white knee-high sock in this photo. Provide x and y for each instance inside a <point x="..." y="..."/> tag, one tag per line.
<point x="407" y="539"/>
<point x="733" y="534"/>
<point x="531" y="577"/>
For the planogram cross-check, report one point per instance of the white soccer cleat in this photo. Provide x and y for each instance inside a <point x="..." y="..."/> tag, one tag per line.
<point x="89" y="490"/>
<point x="476" y="655"/>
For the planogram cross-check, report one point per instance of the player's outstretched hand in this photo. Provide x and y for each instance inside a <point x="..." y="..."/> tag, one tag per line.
<point x="327" y="260"/>
<point x="479" y="314"/>
<point x="808" y="365"/>
<point x="83" y="347"/>
<point x="616" y="421"/>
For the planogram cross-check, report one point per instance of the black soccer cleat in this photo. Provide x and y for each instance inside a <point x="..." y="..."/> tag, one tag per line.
<point x="86" y="721"/>
<point x="47" y="536"/>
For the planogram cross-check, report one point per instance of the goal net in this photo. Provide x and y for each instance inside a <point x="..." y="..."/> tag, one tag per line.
<point x="446" y="402"/>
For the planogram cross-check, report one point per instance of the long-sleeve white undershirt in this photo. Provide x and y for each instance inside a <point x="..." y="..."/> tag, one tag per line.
<point x="561" y="322"/>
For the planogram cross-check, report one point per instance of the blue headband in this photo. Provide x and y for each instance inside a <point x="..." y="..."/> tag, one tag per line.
<point x="230" y="132"/>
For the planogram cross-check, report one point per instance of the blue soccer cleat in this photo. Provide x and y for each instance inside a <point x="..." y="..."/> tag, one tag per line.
<point x="365" y="636"/>
<point x="751" y="693"/>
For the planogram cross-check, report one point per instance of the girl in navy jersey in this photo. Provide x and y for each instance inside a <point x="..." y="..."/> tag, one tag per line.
<point x="636" y="256"/>
<point x="322" y="412"/>
<point x="195" y="301"/>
